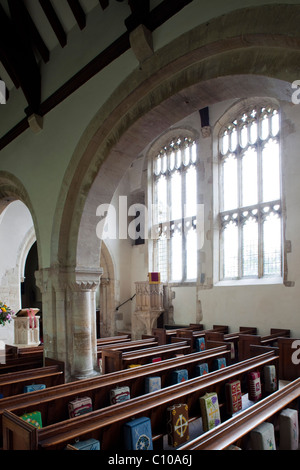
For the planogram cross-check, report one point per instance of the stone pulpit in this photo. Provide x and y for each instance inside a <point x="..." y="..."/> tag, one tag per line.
<point x="27" y="328"/>
<point x="149" y="306"/>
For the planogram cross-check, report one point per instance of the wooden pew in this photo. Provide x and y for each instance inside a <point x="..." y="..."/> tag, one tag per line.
<point x="166" y="336"/>
<point x="129" y="345"/>
<point x="246" y="340"/>
<point x="113" y="339"/>
<point x="53" y="403"/>
<point x="13" y="351"/>
<point x="289" y="358"/>
<point x="232" y="338"/>
<point x="15" y="359"/>
<point x="53" y="373"/>
<point x="107" y="424"/>
<point x="124" y="346"/>
<point x="19" y="364"/>
<point x="114" y="360"/>
<point x="234" y="429"/>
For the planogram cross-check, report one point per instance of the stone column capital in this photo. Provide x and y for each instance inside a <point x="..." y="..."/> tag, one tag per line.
<point x="84" y="279"/>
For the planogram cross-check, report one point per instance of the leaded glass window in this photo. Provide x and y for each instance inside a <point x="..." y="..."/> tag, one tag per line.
<point x="174" y="210"/>
<point x="250" y="195"/>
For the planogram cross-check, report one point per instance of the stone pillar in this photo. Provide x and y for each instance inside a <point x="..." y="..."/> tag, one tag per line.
<point x="69" y="318"/>
<point x="83" y="306"/>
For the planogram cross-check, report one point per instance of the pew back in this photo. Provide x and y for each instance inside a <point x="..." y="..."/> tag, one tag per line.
<point x="238" y="426"/>
<point x="107" y="424"/>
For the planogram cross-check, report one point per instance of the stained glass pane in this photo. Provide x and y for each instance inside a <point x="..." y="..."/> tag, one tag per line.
<point x="186" y="156"/>
<point x="176" y="264"/>
<point x="264" y="127"/>
<point x="275" y="123"/>
<point x="249" y="177"/>
<point x="230" y="251"/>
<point x="271" y="171"/>
<point x="191" y="248"/>
<point x="253" y="132"/>
<point x="157" y="166"/>
<point x="244" y="136"/>
<point x="233" y="140"/>
<point x="272" y="246"/>
<point x="172" y="161"/>
<point x="191" y="192"/>
<point x="176" y="207"/>
<point x="225" y="143"/>
<point x="194" y="153"/>
<point x="230" y="181"/>
<point x="250" y="248"/>
<point x="162" y="260"/>
<point x="161" y="200"/>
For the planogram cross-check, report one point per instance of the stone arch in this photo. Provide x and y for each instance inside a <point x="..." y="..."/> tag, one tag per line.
<point x="16" y="211"/>
<point x="231" y="57"/>
<point x="11" y="189"/>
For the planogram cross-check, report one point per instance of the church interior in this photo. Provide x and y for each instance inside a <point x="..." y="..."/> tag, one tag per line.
<point x="149" y="163"/>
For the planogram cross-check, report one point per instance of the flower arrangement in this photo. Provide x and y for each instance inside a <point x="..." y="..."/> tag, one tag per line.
<point x="6" y="314"/>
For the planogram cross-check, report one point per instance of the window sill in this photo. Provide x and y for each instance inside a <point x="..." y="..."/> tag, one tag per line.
<point x="181" y="284"/>
<point x="250" y="282"/>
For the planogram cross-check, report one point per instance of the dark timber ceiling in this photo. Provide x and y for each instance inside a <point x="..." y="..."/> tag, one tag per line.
<point x="31" y="29"/>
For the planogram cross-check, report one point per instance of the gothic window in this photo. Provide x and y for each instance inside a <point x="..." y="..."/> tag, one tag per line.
<point x="250" y="195"/>
<point x="174" y="210"/>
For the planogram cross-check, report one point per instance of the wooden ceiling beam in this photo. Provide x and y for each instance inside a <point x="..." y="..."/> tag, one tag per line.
<point x="140" y="10"/>
<point x="17" y="52"/>
<point x="6" y="91"/>
<point x="54" y="21"/>
<point x="78" y="13"/>
<point x="26" y="27"/>
<point x="104" y="4"/>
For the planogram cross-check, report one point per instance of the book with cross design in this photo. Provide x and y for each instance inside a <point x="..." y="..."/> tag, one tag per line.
<point x="233" y="396"/>
<point x="210" y="412"/>
<point x="138" y="434"/>
<point x="178" y="424"/>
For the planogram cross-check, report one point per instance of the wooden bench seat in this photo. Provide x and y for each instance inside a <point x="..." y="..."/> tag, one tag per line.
<point x="235" y="428"/>
<point x="19" y="364"/>
<point x="165" y="336"/>
<point x="232" y="338"/>
<point x="129" y="345"/>
<point x="246" y="340"/>
<point x="114" y="360"/>
<point x="53" y="403"/>
<point x="289" y="358"/>
<point x="53" y="373"/>
<point x="113" y="339"/>
<point x="106" y="424"/>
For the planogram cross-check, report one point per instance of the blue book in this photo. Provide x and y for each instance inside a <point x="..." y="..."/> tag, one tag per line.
<point x="200" y="344"/>
<point x="152" y="384"/>
<point x="179" y="376"/>
<point x="89" y="444"/>
<point x="33" y="388"/>
<point x="219" y="363"/>
<point x="138" y="434"/>
<point x="202" y="369"/>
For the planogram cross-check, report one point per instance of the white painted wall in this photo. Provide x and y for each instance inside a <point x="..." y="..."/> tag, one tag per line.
<point x="264" y="306"/>
<point x="16" y="228"/>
